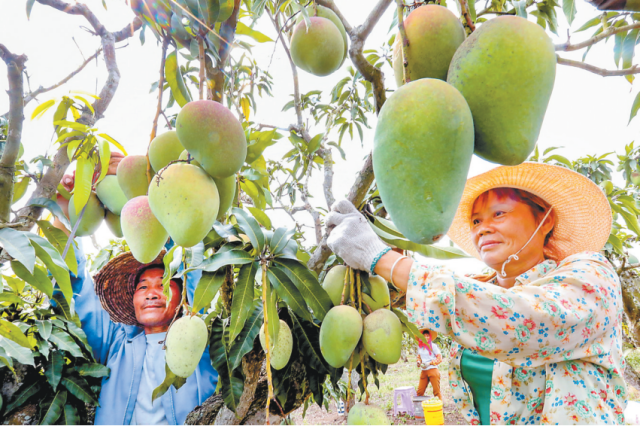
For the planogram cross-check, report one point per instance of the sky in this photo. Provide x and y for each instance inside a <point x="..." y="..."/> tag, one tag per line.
<point x="587" y="114"/>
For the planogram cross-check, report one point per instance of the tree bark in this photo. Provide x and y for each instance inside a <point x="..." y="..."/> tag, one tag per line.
<point x="630" y="284"/>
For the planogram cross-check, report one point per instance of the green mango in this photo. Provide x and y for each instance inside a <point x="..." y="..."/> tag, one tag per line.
<point x="186" y="341"/>
<point x="319" y="49"/>
<point x="111" y="195"/>
<point x="113" y="223"/>
<point x="132" y="176"/>
<point x="434" y="35"/>
<point x="362" y="414"/>
<point x="164" y="149"/>
<point x="227" y="190"/>
<point x="382" y="336"/>
<point x="505" y="70"/>
<point x="339" y="334"/>
<point x="144" y="234"/>
<point x="422" y="150"/>
<point x="282" y="349"/>
<point x="91" y="219"/>
<point x="185" y="156"/>
<point x="380" y="297"/>
<point x="185" y="201"/>
<point x="334" y="283"/>
<point x="213" y="136"/>
<point x="325" y="12"/>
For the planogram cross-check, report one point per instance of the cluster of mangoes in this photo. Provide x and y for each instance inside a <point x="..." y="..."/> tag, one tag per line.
<point x="185" y="197"/>
<point x="485" y="95"/>
<point x="343" y="329"/>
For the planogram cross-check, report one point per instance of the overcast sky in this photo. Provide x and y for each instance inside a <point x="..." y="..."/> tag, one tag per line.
<point x="587" y="114"/>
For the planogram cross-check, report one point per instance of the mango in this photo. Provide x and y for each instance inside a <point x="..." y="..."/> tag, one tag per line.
<point x="325" y="12"/>
<point x="91" y="219"/>
<point x="185" y="156"/>
<point x="319" y="49"/>
<point x="113" y="223"/>
<point x="421" y="155"/>
<point x="186" y="342"/>
<point x="505" y="70"/>
<point x="213" y="136"/>
<point x="362" y="414"/>
<point x="434" y="34"/>
<point x="132" y="176"/>
<point x="164" y="149"/>
<point x="334" y="283"/>
<point x="281" y="351"/>
<point x="339" y="334"/>
<point x="380" y="297"/>
<point x="111" y="195"/>
<point x="185" y="201"/>
<point x="144" y="233"/>
<point x="382" y="336"/>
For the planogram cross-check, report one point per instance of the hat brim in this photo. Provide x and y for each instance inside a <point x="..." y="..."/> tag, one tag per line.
<point x="582" y="213"/>
<point x="115" y="285"/>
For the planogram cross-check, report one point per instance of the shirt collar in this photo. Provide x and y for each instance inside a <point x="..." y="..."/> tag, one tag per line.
<point x="540" y="270"/>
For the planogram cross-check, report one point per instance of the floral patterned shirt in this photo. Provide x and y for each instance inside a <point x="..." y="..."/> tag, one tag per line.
<point x="555" y="338"/>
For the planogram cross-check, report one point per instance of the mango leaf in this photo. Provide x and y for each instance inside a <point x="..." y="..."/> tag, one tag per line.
<point x="260" y="217"/>
<point x="169" y="378"/>
<point x="231" y="257"/>
<point x="105" y="157"/>
<point x="59" y="239"/>
<point x="435" y="252"/>
<point x="93" y="369"/>
<point x="56" y="265"/>
<point x="172" y="261"/>
<point x="207" y="289"/>
<point x="11" y="298"/>
<point x="44" y="328"/>
<point x="65" y="342"/>
<point x="243" y="29"/>
<point x="405" y="320"/>
<point x="13" y="332"/>
<point x="174" y="77"/>
<point x="250" y="227"/>
<point x="53" y="207"/>
<point x="19" y="353"/>
<point x="54" y="408"/>
<point x="308" y="340"/>
<point x="63" y="309"/>
<point x="244" y="343"/>
<point x="634" y="108"/>
<point x="313" y="293"/>
<point x="84" y="180"/>
<point x="70" y="415"/>
<point x="80" y="389"/>
<point x="18" y="246"/>
<point x="628" y="49"/>
<point x="264" y="140"/>
<point x="289" y="293"/>
<point x="616" y="243"/>
<point x="230" y="384"/>
<point x="30" y="4"/>
<point x="113" y="142"/>
<point x="7" y="361"/>
<point x="272" y="315"/>
<point x="242" y="299"/>
<point x="22" y="396"/>
<point x="19" y="189"/>
<point x="280" y="239"/>
<point x="53" y="368"/>
<point x="42" y="108"/>
<point x="569" y="9"/>
<point x="631" y="221"/>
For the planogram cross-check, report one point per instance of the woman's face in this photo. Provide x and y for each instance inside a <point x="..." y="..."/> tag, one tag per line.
<point x="502" y="226"/>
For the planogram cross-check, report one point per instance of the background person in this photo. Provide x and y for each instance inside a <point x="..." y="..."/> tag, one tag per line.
<point x="429" y="357"/>
<point x="539" y="340"/>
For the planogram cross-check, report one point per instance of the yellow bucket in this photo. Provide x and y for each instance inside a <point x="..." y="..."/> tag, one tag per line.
<point x="433" y="414"/>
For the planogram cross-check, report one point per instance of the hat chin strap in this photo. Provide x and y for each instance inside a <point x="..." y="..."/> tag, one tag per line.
<point x="515" y="256"/>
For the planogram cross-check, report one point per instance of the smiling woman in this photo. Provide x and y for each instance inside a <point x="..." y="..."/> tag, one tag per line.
<point x="539" y="340"/>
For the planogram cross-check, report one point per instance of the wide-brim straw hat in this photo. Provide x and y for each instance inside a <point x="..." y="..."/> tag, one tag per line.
<point x="116" y="283"/>
<point x="433" y="334"/>
<point x="582" y="213"/>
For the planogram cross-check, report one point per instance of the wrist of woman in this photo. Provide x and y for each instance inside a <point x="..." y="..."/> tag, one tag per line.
<point x="377" y="258"/>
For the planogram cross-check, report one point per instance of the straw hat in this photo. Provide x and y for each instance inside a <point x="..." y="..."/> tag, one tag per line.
<point x="431" y="332"/>
<point x="116" y="283"/>
<point x="582" y="212"/>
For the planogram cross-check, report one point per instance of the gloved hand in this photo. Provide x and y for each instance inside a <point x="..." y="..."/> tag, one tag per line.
<point x="351" y="236"/>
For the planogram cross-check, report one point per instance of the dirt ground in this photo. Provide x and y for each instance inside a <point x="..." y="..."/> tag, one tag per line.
<point x="398" y="375"/>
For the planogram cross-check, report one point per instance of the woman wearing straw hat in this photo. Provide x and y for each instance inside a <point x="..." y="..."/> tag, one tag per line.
<point x="428" y="359"/>
<point x="539" y="340"/>
<point x="125" y="317"/>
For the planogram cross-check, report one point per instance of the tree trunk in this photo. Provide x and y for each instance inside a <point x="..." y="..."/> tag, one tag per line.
<point x="630" y="283"/>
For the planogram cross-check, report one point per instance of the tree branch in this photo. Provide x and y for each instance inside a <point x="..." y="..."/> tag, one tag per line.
<point x="464" y="7"/>
<point x="15" y="68"/>
<point x="77" y="9"/>
<point x="568" y="47"/>
<point x="600" y="71"/>
<point x="154" y="126"/>
<point x="327" y="186"/>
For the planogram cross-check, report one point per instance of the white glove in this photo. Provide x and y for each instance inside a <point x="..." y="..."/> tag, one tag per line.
<point x="351" y="236"/>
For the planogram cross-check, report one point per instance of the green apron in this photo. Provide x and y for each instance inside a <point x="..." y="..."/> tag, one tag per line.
<point x="477" y="371"/>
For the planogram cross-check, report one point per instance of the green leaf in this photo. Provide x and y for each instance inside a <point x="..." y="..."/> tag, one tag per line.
<point x="59" y="239"/>
<point x="44" y="328"/>
<point x="616" y="243"/>
<point x="16" y="284"/>
<point x="11" y="298"/>
<point x="70" y="415"/>
<point x="42" y="108"/>
<point x="19" y="353"/>
<point x="628" y="50"/>
<point x="250" y="227"/>
<point x="280" y="239"/>
<point x="53" y="207"/>
<point x="64" y="310"/>
<point x="243" y="29"/>
<point x="264" y="140"/>
<point x="53" y="368"/>
<point x="289" y="293"/>
<point x="313" y="293"/>
<point x="172" y="261"/>
<point x="18" y="246"/>
<point x="231" y="257"/>
<point x="272" y="315"/>
<point x="634" y="107"/>
<point x="230" y="384"/>
<point x="632" y="222"/>
<point x="80" y="389"/>
<point x="261" y="217"/>
<point x="617" y="47"/>
<point x="308" y="340"/>
<point x="569" y="9"/>
<point x="22" y="396"/>
<point x="314" y="144"/>
<point x="411" y="326"/>
<point x="19" y="189"/>
<point x="242" y="299"/>
<point x="93" y="369"/>
<point x="169" y="378"/>
<point x="56" y="265"/>
<point x="39" y="280"/>
<point x="65" y="342"/>
<point x="13" y="332"/>
<point x="244" y="342"/>
<point x="174" y="78"/>
<point x="105" y="157"/>
<point x="113" y="142"/>
<point x="30" y="4"/>
<point x="84" y="180"/>
<point x="219" y="10"/>
<point x="207" y="289"/>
